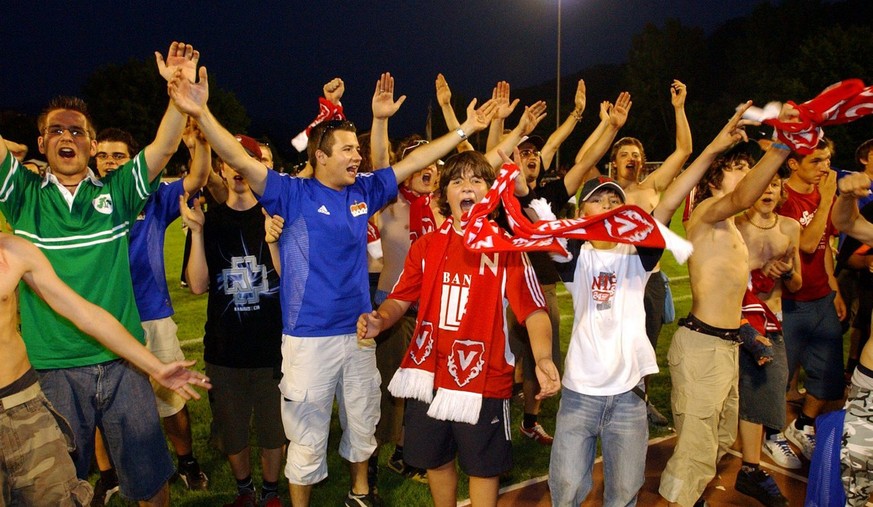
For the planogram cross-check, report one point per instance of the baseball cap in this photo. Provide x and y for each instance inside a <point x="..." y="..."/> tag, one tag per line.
<point x="251" y="145"/>
<point x="593" y="185"/>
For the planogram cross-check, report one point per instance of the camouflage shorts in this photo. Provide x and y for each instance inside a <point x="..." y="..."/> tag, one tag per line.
<point x="856" y="453"/>
<point x="35" y="442"/>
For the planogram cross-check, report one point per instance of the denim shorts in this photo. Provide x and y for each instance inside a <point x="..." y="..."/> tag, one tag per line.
<point x="814" y="339"/>
<point x="762" y="388"/>
<point x="118" y="398"/>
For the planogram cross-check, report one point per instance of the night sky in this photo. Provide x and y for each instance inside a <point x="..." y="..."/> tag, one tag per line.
<point x="275" y="56"/>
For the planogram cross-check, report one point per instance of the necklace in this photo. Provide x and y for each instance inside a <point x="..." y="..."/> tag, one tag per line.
<point x="763" y="228"/>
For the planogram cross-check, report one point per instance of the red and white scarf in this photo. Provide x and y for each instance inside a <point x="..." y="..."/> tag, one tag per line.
<point x="421" y="219"/>
<point x="626" y="224"/>
<point x="469" y="351"/>
<point x="327" y="110"/>
<point x="841" y="102"/>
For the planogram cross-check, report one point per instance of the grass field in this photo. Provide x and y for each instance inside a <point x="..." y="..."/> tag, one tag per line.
<point x="531" y="459"/>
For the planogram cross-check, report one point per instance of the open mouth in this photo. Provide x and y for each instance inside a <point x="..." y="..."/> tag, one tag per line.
<point x="426" y="178"/>
<point x="66" y="153"/>
<point x="238" y="178"/>
<point x="352" y="170"/>
<point x="467" y="204"/>
<point x="767" y="200"/>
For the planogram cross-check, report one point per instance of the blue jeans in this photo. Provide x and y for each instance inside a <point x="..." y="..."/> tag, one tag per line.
<point x="620" y="422"/>
<point x="814" y="339"/>
<point x="119" y="399"/>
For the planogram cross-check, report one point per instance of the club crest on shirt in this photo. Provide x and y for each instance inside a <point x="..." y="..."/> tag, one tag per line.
<point x="466" y="361"/>
<point x="423" y="343"/>
<point x="358" y="209"/>
<point x="103" y="204"/>
<point x="628" y="225"/>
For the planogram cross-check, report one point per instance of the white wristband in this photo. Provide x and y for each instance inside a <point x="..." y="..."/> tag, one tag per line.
<point x="461" y="133"/>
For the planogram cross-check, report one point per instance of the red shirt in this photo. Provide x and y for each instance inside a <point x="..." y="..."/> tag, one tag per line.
<point x="802" y="207"/>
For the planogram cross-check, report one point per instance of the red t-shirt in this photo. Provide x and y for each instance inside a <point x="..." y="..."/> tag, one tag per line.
<point x="802" y="207"/>
<point x="510" y="276"/>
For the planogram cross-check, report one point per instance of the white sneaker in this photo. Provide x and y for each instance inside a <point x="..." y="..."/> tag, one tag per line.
<point x="804" y="439"/>
<point x="777" y="449"/>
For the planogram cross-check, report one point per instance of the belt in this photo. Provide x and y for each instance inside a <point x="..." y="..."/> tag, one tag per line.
<point x="23" y="396"/>
<point x="693" y="323"/>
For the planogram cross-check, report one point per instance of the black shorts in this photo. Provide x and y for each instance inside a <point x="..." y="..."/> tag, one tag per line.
<point x="483" y="449"/>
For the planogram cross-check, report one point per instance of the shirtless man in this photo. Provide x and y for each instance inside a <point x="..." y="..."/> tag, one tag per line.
<point x="39" y="471"/>
<point x="703" y="352"/>
<point x="774" y="258"/>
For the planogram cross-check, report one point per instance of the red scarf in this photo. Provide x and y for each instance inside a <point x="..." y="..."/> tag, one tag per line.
<point x="327" y="110"/>
<point x="627" y="224"/>
<point x="841" y="102"/>
<point x="421" y="219"/>
<point x="468" y="352"/>
<point x="759" y="315"/>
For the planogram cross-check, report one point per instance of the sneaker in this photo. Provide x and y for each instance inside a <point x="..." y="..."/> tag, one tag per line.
<point x="803" y="439"/>
<point x="655" y="417"/>
<point x="271" y="500"/>
<point x="396" y="464"/>
<point x="193" y="478"/>
<point x="777" y="449"/>
<point x="244" y="499"/>
<point x="369" y="500"/>
<point x="760" y="486"/>
<point x="103" y="491"/>
<point x="538" y="434"/>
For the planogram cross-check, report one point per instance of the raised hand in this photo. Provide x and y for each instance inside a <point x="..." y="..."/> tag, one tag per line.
<point x="333" y="90"/>
<point x="579" y="99"/>
<point x="180" y="56"/>
<point x="532" y="116"/>
<point x="384" y="105"/>
<point x="678" y="92"/>
<point x="618" y="113"/>
<point x="443" y="92"/>
<point x="855" y="185"/>
<point x="605" y="108"/>
<point x="732" y="133"/>
<point x="179" y="378"/>
<point x="189" y="97"/>
<point x="500" y="95"/>
<point x="192" y="217"/>
<point x="478" y="119"/>
<point x="827" y="187"/>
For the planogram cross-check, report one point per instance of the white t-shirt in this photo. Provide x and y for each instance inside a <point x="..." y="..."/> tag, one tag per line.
<point x="609" y="350"/>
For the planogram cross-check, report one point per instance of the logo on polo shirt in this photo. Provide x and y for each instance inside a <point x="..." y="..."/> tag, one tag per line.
<point x="358" y="209"/>
<point x="103" y="203"/>
<point x="323" y="210"/>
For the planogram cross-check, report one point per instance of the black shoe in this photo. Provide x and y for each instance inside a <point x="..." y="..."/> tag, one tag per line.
<point x="371" y="499"/>
<point x="103" y="491"/>
<point x="192" y="477"/>
<point x="760" y="486"/>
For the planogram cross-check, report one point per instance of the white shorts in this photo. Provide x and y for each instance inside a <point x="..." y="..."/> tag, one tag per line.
<point x="313" y="371"/>
<point x="161" y="340"/>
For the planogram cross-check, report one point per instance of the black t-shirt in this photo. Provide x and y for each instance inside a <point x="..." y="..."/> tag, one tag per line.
<point x="555" y="193"/>
<point x="243" y="317"/>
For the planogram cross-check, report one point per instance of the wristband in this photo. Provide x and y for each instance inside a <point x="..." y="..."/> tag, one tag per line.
<point x="576" y="115"/>
<point x="461" y="133"/>
<point x="788" y="275"/>
<point x="780" y="146"/>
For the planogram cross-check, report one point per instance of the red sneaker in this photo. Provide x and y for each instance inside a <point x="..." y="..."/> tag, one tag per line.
<point x="538" y="434"/>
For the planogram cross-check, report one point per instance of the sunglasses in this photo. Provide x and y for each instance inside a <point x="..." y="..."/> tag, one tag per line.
<point x="325" y="127"/>
<point x="413" y="145"/>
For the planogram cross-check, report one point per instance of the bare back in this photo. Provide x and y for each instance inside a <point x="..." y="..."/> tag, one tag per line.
<point x="718" y="269"/>
<point x="13" y="359"/>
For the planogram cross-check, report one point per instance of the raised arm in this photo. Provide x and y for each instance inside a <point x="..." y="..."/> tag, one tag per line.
<point x="553" y="143"/>
<point x="585" y="166"/>
<point x="191" y="99"/>
<point x="418" y="159"/>
<point x="97" y="322"/>
<point x="444" y="99"/>
<point x="201" y="158"/>
<point x="181" y="61"/>
<point x="531" y="117"/>
<point x="810" y="236"/>
<point x="664" y="175"/>
<point x="197" y="272"/>
<point x="384" y="107"/>
<point x="846" y="216"/>
<point x="500" y="95"/>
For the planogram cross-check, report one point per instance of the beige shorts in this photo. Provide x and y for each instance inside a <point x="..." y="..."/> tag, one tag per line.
<point x="161" y="340"/>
